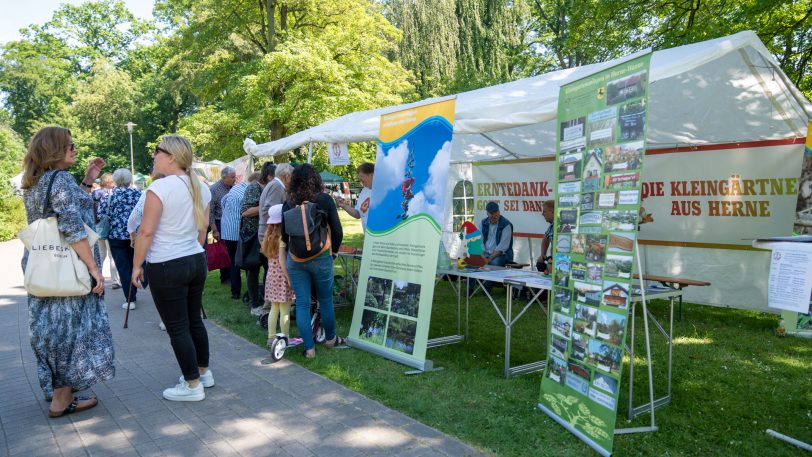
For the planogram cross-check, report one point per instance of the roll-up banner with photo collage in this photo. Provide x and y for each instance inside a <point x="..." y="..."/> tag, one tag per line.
<point x="601" y="143"/>
<point x="402" y="239"/>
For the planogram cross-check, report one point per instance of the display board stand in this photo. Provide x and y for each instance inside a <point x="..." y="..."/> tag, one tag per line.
<point x="420" y="366"/>
<point x="509" y="321"/>
<point x="652" y="427"/>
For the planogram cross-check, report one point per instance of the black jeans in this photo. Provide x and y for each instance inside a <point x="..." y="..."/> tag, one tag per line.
<point x="236" y="279"/>
<point x="123" y="257"/>
<point x="256" y="289"/>
<point x="177" y="288"/>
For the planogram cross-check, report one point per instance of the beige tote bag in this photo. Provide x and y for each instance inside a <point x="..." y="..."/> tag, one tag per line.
<point x="54" y="269"/>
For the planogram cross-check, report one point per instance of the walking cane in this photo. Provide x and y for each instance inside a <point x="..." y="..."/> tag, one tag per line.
<point x="129" y="296"/>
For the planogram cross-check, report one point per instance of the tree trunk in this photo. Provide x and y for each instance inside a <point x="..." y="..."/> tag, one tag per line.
<point x="277" y="130"/>
<point x="270" y="10"/>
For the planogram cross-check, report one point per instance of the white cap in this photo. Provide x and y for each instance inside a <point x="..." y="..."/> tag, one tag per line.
<point x="275" y="214"/>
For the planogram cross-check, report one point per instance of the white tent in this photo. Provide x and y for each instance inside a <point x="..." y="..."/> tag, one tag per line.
<point x="719" y="91"/>
<point x="726" y="90"/>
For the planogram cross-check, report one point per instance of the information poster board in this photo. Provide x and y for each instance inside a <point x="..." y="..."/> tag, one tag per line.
<point x="396" y="281"/>
<point x="338" y="153"/>
<point x="601" y="142"/>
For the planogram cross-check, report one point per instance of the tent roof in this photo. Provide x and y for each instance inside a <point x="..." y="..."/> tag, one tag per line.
<point x="328" y="177"/>
<point x="725" y="90"/>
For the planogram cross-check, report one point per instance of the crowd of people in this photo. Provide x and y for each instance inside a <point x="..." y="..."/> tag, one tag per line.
<point x="157" y="239"/>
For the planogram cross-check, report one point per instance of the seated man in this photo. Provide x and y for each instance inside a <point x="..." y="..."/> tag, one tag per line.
<point x="544" y="263"/>
<point x="497" y="237"/>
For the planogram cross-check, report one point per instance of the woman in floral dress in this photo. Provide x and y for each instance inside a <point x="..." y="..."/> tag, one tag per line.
<point x="70" y="336"/>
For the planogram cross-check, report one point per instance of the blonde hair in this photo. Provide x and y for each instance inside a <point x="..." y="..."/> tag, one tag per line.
<point x="46" y="149"/>
<point x="181" y="150"/>
<point x="106" y="178"/>
<point x="270" y="243"/>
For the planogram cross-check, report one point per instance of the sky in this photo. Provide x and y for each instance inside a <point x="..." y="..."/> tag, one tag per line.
<point x="22" y="13"/>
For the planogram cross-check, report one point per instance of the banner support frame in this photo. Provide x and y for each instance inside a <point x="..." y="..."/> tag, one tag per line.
<point x="653" y="427"/>
<point x="427" y="365"/>
<point x="589" y="442"/>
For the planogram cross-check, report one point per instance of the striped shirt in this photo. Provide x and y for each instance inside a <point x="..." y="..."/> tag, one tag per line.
<point x="230" y="222"/>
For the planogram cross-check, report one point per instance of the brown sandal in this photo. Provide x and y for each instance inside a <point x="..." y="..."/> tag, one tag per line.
<point x="74" y="407"/>
<point x="337" y="341"/>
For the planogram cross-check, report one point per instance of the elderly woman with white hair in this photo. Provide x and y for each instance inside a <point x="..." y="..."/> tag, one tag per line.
<point x="118" y="207"/>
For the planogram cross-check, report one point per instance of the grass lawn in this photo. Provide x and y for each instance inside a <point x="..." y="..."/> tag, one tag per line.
<point x="732" y="379"/>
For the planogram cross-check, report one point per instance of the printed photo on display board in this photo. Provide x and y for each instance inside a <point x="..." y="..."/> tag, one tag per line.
<point x="602" y="129"/>
<point x="378" y="294"/>
<point x="373" y="326"/>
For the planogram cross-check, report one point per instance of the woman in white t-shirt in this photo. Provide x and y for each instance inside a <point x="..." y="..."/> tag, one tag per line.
<point x="365" y="173"/>
<point x="170" y="238"/>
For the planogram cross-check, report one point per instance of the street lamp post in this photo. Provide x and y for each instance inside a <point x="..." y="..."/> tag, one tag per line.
<point x="130" y="126"/>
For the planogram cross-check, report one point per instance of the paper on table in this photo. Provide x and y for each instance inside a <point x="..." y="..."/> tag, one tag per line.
<point x="790" y="282"/>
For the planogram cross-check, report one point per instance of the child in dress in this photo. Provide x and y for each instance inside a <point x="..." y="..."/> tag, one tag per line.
<point x="277" y="281"/>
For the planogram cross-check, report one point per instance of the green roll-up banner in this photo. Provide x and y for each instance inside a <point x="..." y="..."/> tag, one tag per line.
<point x="602" y="121"/>
<point x="396" y="282"/>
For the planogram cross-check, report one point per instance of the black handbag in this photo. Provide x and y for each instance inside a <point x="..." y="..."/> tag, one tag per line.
<point x="247" y="256"/>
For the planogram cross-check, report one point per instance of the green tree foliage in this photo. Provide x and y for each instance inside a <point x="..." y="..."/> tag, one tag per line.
<point x="102" y="29"/>
<point x="571" y="33"/>
<point x="12" y="213"/>
<point x="37" y="79"/>
<point x="311" y="62"/>
<point x="785" y="27"/>
<point x="456" y="45"/>
<point x="218" y="71"/>
<point x="101" y="106"/>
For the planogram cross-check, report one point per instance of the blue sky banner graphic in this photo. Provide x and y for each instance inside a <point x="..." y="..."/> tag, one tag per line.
<point x="396" y="282"/>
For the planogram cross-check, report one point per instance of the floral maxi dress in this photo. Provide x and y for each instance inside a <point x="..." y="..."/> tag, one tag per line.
<point x="70" y="336"/>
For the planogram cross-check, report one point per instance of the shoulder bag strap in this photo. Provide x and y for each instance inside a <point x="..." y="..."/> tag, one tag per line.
<point x="48" y="193"/>
<point x="304" y="224"/>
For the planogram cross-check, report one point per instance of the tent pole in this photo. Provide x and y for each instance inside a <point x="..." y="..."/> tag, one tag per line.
<point x="498" y="145"/>
<point x="309" y="152"/>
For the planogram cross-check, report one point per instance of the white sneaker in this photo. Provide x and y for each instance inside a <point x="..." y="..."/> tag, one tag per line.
<point x="206" y="380"/>
<point x="161" y="325"/>
<point x="132" y="305"/>
<point x="182" y="392"/>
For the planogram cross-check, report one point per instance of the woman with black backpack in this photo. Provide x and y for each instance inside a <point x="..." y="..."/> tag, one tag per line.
<point x="312" y="232"/>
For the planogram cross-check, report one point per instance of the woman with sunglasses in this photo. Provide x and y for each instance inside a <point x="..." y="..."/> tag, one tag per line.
<point x="170" y="238"/>
<point x="70" y="336"/>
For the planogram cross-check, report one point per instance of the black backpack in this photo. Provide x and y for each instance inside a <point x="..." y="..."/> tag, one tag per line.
<point x="306" y="225"/>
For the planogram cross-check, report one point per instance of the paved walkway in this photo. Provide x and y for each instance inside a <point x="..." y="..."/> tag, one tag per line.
<point x="254" y="409"/>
